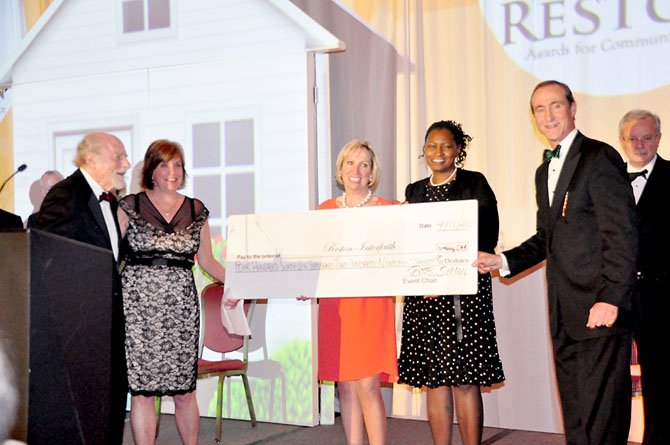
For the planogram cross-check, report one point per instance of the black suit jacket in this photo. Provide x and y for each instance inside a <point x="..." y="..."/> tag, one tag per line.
<point x="32" y="220"/>
<point x="70" y="209"/>
<point x="9" y="220"/>
<point x="587" y="236"/>
<point x="653" y="224"/>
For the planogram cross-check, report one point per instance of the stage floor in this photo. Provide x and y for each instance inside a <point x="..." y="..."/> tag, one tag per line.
<point x="401" y="432"/>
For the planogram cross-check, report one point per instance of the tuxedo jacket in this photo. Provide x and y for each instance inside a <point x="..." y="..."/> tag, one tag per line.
<point x="588" y="237"/>
<point x="653" y="224"/>
<point x="10" y="221"/>
<point x="70" y="209"/>
<point x="32" y="220"/>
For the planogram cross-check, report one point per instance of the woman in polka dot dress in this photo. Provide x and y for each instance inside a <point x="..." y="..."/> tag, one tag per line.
<point x="449" y="341"/>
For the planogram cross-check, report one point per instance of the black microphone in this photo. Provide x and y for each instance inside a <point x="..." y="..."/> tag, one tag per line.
<point x="20" y="169"/>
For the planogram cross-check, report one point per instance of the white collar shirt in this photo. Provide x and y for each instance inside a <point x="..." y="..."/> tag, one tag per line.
<point x="106" y="213"/>
<point x="556" y="164"/>
<point x="640" y="182"/>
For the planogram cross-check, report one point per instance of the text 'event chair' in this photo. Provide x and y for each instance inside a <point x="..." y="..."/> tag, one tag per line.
<point x="218" y="340"/>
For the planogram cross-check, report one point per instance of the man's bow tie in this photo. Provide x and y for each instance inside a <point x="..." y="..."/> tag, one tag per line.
<point x="548" y="154"/>
<point x="107" y="196"/>
<point x="634" y="175"/>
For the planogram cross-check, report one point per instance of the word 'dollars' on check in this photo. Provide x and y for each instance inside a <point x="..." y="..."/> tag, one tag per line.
<point x="416" y="249"/>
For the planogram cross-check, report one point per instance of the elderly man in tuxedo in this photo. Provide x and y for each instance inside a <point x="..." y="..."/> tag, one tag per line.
<point x="586" y="232"/>
<point x="83" y="207"/>
<point x="640" y="135"/>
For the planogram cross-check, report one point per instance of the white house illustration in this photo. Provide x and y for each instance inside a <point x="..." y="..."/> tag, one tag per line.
<point x="246" y="86"/>
<point x="227" y="79"/>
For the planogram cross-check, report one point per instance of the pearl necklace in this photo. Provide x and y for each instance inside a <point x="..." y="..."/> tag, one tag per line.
<point x="446" y="181"/>
<point x="360" y="204"/>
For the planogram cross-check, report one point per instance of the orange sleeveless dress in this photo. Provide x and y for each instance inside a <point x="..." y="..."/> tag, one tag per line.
<point x="357" y="335"/>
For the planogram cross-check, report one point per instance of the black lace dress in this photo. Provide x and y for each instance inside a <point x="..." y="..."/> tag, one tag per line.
<point x="160" y="300"/>
<point x="451" y="340"/>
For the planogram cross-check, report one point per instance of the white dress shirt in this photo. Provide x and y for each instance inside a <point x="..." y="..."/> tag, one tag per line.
<point x="639" y="182"/>
<point x="555" y="167"/>
<point x="556" y="164"/>
<point x="106" y="213"/>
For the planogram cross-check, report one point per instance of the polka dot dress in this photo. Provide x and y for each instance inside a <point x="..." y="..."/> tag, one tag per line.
<point x="450" y="340"/>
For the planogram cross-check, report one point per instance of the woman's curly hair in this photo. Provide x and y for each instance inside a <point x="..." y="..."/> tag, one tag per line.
<point x="461" y="138"/>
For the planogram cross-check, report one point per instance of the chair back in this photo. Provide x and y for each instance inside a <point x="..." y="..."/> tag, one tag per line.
<point x="215" y="336"/>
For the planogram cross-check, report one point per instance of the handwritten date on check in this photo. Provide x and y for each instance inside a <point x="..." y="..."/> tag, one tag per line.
<point x="414" y="249"/>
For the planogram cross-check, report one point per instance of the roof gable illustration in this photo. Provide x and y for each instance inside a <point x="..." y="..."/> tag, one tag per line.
<point x="90" y="29"/>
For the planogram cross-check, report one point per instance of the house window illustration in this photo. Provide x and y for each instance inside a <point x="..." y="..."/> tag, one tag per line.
<point x="145" y="15"/>
<point x="224" y="169"/>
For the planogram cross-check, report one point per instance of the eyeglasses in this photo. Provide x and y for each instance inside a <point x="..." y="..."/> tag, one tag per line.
<point x="644" y="139"/>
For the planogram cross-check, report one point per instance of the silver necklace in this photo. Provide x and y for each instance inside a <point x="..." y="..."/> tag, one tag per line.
<point x="360" y="204"/>
<point x="446" y="181"/>
<point x="170" y="209"/>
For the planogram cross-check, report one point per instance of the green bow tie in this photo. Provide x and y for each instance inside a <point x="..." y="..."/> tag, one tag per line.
<point x="555" y="153"/>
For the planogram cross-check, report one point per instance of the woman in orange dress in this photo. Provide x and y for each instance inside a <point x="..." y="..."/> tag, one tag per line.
<point x="357" y="342"/>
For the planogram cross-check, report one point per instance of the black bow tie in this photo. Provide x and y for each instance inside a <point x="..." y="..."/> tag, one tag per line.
<point x="107" y="196"/>
<point x="548" y="154"/>
<point x="634" y="175"/>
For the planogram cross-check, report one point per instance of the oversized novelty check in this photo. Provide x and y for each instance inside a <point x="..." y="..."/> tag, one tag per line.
<point x="414" y="249"/>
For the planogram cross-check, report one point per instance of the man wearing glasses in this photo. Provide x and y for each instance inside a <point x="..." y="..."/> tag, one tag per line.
<point x="640" y="134"/>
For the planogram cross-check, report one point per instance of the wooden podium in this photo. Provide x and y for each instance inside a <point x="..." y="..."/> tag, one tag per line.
<point x="55" y="321"/>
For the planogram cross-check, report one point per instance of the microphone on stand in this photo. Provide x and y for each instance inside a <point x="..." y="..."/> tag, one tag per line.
<point x="20" y="169"/>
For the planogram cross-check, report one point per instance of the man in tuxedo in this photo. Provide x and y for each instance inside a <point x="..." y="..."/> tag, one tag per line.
<point x="82" y="207"/>
<point x="48" y="179"/>
<point x="640" y="135"/>
<point x="586" y="232"/>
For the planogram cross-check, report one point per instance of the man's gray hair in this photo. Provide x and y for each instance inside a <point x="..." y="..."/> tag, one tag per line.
<point x="635" y="115"/>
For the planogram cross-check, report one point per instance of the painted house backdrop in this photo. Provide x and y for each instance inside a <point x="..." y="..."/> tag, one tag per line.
<point x="245" y="87"/>
<point x="233" y="81"/>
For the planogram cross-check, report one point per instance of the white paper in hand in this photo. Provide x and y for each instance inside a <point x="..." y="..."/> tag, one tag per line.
<point x="234" y="319"/>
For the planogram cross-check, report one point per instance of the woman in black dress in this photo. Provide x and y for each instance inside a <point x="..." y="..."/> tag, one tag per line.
<point x="449" y="341"/>
<point x="165" y="230"/>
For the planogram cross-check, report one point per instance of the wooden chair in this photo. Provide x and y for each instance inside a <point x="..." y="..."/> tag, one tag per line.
<point x="217" y="339"/>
